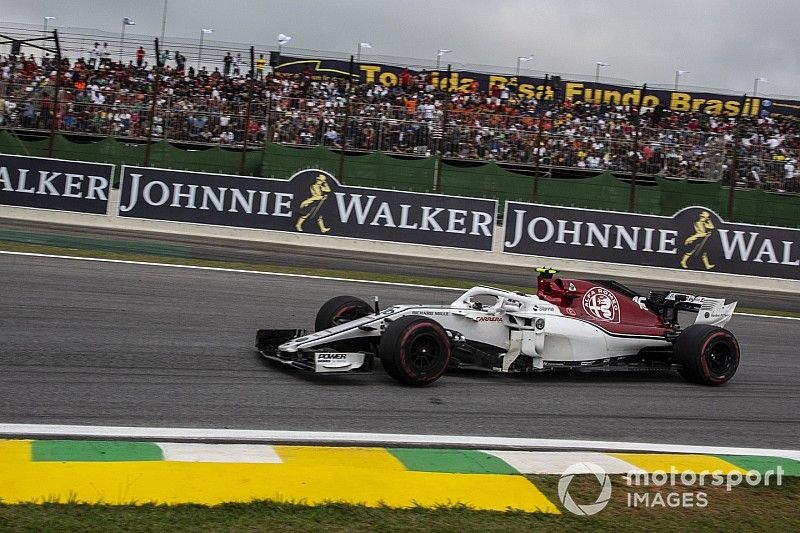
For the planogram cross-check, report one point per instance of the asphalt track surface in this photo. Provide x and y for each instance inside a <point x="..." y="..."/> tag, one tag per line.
<point x="333" y="258"/>
<point x="118" y="344"/>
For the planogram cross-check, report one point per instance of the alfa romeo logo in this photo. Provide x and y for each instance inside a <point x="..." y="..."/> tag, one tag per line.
<point x="589" y="508"/>
<point x="601" y="303"/>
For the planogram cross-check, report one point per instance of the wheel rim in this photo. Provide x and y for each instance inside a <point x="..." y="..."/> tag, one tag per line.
<point x="346" y="314"/>
<point x="424" y="352"/>
<point x="720" y="358"/>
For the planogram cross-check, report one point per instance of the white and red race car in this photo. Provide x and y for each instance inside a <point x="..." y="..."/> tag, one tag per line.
<point x="568" y="323"/>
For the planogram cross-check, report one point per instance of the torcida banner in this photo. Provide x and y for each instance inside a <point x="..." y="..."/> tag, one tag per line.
<point x="557" y="88"/>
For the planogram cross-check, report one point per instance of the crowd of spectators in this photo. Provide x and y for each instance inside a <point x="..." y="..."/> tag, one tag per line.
<point x="108" y="98"/>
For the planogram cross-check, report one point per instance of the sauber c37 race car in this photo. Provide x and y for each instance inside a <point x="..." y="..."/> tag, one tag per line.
<point x="567" y="324"/>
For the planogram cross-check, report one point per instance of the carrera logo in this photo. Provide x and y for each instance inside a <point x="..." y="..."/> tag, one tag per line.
<point x="488" y="319"/>
<point x="601" y="303"/>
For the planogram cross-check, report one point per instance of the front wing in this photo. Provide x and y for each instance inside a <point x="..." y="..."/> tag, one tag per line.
<point x="319" y="360"/>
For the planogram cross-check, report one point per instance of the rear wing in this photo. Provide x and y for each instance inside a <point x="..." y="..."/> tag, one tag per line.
<point x="712" y="311"/>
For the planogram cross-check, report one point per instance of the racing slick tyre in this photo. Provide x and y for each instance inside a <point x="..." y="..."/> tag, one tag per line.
<point x="415" y="350"/>
<point x="709" y="355"/>
<point x="339" y="310"/>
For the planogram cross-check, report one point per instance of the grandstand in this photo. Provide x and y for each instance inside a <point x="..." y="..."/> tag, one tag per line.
<point x="108" y="92"/>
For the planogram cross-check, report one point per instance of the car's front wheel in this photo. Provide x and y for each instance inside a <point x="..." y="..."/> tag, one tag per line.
<point x="415" y="350"/>
<point x="340" y="310"/>
<point x="709" y="355"/>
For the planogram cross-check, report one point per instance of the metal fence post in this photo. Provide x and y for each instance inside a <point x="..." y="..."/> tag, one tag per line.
<point x="54" y="110"/>
<point x="343" y="144"/>
<point x="734" y="172"/>
<point x="247" y="114"/>
<point x="537" y="148"/>
<point x="437" y="179"/>
<point x="635" y="166"/>
<point x="269" y="118"/>
<point x="152" y="114"/>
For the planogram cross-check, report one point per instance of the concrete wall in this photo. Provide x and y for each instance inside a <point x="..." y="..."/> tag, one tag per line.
<point x="493" y="258"/>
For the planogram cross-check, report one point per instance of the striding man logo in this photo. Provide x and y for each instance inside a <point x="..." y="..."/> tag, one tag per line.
<point x="703" y="229"/>
<point x="311" y="207"/>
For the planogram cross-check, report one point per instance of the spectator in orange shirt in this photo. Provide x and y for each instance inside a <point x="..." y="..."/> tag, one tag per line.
<point x="411" y="105"/>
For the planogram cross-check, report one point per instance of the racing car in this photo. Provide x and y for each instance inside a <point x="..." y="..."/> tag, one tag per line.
<point x="567" y="324"/>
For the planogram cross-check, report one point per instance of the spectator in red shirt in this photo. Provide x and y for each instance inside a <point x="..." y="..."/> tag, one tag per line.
<point x="405" y="78"/>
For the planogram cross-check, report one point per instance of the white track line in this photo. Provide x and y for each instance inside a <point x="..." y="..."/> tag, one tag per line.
<point x="768" y="316"/>
<point x="234" y="270"/>
<point x="376" y="439"/>
<point x="285" y="275"/>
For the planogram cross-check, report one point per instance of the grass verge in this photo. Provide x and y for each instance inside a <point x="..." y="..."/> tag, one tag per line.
<point x="281" y="269"/>
<point x="741" y="509"/>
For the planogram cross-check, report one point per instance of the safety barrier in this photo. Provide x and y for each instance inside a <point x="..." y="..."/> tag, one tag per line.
<point x="312" y="207"/>
<point x="486" y="180"/>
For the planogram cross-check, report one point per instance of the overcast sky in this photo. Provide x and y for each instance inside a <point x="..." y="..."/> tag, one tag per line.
<point x="722" y="43"/>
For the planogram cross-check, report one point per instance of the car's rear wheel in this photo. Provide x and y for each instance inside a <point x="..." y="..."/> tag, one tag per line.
<point x="709" y="355"/>
<point x="415" y="350"/>
<point x="340" y="310"/>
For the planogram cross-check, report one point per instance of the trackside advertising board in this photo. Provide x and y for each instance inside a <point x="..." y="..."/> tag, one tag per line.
<point x="695" y="238"/>
<point x="311" y="202"/>
<point x="55" y="184"/>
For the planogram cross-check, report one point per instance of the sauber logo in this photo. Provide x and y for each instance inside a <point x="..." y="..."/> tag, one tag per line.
<point x="601" y="303"/>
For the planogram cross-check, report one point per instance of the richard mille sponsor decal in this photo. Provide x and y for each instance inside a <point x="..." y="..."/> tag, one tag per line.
<point x="431" y="313"/>
<point x="601" y="303"/>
